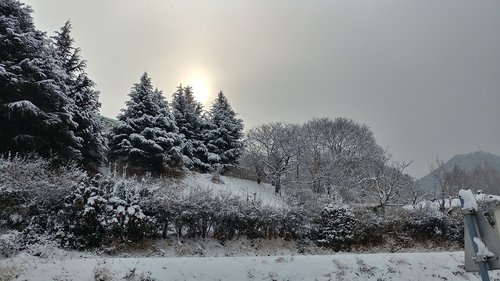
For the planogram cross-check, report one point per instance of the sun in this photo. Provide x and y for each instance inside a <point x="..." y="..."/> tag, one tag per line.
<point x="200" y="90"/>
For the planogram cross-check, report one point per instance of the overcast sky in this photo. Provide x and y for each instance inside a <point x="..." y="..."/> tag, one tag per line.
<point x="424" y="75"/>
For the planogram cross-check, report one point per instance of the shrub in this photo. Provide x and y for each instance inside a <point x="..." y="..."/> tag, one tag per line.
<point x="83" y="219"/>
<point x="369" y="229"/>
<point x="335" y="227"/>
<point x="125" y="219"/>
<point x="431" y="224"/>
<point x="96" y="215"/>
<point x="32" y="191"/>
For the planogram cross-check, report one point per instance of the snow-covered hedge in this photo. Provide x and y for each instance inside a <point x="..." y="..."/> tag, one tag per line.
<point x="82" y="212"/>
<point x="201" y="213"/>
<point x="430" y="224"/>
<point x="404" y="227"/>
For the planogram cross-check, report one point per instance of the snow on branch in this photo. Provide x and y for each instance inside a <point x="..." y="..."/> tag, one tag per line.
<point x="25" y="107"/>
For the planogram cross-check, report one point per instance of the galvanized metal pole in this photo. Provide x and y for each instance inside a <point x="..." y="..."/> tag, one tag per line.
<point x="471" y="225"/>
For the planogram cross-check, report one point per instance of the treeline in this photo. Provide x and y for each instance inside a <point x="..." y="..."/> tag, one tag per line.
<point x="448" y="181"/>
<point x="156" y="137"/>
<point x="339" y="157"/>
<point x="49" y="106"/>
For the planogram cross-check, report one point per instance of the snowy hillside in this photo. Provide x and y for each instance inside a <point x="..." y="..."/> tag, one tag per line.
<point x="400" y="266"/>
<point x="245" y="189"/>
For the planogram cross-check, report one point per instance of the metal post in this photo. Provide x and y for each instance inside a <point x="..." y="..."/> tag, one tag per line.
<point x="471" y="225"/>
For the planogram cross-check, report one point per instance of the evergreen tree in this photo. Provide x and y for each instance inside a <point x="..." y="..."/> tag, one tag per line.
<point x="146" y="136"/>
<point x="35" y="110"/>
<point x="192" y="124"/>
<point x="224" y="139"/>
<point x="81" y="91"/>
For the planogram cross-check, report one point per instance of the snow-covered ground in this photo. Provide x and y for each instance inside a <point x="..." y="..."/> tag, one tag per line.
<point x="398" y="266"/>
<point x="246" y="189"/>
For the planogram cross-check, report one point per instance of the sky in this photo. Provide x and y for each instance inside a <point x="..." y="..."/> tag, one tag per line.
<point x="424" y="75"/>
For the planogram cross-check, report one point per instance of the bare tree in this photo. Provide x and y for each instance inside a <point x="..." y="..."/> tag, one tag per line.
<point x="335" y="151"/>
<point x="387" y="179"/>
<point x="441" y="181"/>
<point x="415" y="193"/>
<point x="274" y="149"/>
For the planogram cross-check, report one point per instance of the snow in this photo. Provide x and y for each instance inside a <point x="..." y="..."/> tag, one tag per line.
<point x="245" y="189"/>
<point x="482" y="250"/>
<point x="386" y="266"/>
<point x="469" y="200"/>
<point x="450" y="203"/>
<point x="26" y="107"/>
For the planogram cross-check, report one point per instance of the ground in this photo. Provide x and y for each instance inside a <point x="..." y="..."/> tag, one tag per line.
<point x="386" y="266"/>
<point x="208" y="259"/>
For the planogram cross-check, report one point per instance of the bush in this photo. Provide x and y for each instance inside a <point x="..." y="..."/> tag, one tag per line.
<point x="125" y="218"/>
<point x="97" y="215"/>
<point x="431" y="224"/>
<point x="83" y="219"/>
<point x="369" y="229"/>
<point x="335" y="227"/>
<point x="32" y="190"/>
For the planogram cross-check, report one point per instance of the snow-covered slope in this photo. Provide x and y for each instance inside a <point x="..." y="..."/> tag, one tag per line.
<point x="400" y="266"/>
<point x="246" y="189"/>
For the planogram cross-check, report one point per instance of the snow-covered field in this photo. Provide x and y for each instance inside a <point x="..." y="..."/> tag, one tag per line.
<point x="398" y="266"/>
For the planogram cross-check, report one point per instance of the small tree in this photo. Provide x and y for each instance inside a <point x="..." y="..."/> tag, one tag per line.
<point x="146" y="136"/>
<point x="336" y="227"/>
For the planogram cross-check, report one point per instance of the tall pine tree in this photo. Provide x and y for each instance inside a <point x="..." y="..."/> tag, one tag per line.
<point x="85" y="97"/>
<point x="192" y="124"/>
<point x="224" y="139"/>
<point x="35" y="110"/>
<point x="146" y="136"/>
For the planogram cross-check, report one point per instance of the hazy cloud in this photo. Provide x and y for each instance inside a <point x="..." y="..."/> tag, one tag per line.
<point x="424" y="75"/>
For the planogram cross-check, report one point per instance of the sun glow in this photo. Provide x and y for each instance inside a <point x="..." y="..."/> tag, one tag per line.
<point x="200" y="90"/>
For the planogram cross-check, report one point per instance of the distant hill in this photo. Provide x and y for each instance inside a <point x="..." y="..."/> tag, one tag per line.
<point x="466" y="162"/>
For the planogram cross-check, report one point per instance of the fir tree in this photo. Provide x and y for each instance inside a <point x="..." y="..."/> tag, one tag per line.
<point x="146" y="136"/>
<point x="81" y="91"/>
<point x="35" y="110"/>
<point x="192" y="124"/>
<point x="224" y="139"/>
